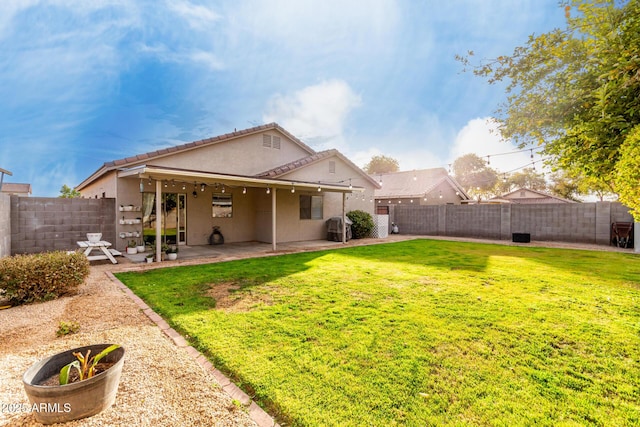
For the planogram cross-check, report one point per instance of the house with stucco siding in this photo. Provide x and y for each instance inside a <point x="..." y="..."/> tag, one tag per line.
<point x="259" y="184"/>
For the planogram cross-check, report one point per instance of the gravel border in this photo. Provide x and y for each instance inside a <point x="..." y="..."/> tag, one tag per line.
<point x="164" y="381"/>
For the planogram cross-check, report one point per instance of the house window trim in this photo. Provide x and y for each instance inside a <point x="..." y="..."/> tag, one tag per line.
<point x="221" y="196"/>
<point x="311" y="209"/>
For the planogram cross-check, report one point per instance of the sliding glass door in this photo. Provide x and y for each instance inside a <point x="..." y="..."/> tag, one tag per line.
<point x="173" y="218"/>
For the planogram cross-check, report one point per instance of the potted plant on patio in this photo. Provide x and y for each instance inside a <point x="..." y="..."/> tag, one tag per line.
<point x="172" y="253"/>
<point x="74" y="384"/>
<point x="150" y="258"/>
<point x="140" y="247"/>
<point x="131" y="248"/>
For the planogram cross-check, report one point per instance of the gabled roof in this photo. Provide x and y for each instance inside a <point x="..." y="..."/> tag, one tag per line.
<point x="16" y="188"/>
<point x="152" y="155"/>
<point x="542" y="197"/>
<point x="314" y="158"/>
<point x="416" y="183"/>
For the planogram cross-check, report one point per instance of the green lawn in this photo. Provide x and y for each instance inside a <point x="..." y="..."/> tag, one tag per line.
<point x="418" y="333"/>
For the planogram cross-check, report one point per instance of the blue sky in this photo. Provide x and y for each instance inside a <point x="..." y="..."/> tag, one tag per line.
<point x="84" y="82"/>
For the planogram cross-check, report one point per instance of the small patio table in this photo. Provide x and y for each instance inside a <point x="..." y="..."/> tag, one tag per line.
<point x="102" y="246"/>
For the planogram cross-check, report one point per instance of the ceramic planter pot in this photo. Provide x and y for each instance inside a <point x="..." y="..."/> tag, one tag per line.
<point x="131" y="250"/>
<point x="62" y="403"/>
<point x="172" y="256"/>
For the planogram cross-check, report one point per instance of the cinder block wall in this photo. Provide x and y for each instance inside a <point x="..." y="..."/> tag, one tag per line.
<point x="5" y="225"/>
<point x="579" y="222"/>
<point x="477" y="221"/>
<point x="41" y="224"/>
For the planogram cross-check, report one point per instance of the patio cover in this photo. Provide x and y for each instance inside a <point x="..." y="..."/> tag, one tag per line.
<point x="162" y="173"/>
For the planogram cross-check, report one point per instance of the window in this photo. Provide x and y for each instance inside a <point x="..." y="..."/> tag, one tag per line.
<point x="276" y="142"/>
<point x="332" y="166"/>
<point x="310" y="207"/>
<point x="222" y="206"/>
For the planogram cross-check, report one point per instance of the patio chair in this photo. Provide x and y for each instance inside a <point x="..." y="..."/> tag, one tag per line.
<point x="621" y="234"/>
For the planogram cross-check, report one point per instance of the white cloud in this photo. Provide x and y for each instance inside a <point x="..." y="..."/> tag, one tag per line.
<point x="198" y="17"/>
<point x="480" y="136"/>
<point x="323" y="24"/>
<point x="316" y="113"/>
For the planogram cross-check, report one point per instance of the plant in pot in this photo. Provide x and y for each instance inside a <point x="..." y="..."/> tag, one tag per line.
<point x="131" y="248"/>
<point x="172" y="253"/>
<point x="73" y="384"/>
<point x="140" y="247"/>
<point x="150" y="257"/>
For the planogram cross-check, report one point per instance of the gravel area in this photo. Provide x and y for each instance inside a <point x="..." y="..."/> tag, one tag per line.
<point x="161" y="384"/>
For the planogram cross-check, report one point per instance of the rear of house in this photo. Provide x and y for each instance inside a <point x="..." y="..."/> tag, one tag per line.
<point x="259" y="184"/>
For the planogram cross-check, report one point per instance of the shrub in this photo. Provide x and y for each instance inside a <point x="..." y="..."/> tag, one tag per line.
<point x="362" y="223"/>
<point x="41" y="277"/>
<point x="66" y="328"/>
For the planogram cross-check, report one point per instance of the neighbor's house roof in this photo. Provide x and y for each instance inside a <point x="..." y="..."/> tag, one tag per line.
<point x="152" y="155"/>
<point x="415" y="183"/>
<point x="16" y="188"/>
<point x="528" y="196"/>
<point x="285" y="169"/>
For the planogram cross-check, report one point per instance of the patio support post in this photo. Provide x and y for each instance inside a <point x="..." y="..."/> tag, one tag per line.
<point x="344" y="219"/>
<point x="273" y="219"/>
<point x="158" y="220"/>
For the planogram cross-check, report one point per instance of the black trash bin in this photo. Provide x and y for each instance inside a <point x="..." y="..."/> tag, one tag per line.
<point x="334" y="229"/>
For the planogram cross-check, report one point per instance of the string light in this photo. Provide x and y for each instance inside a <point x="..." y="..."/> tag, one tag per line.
<point x="202" y="186"/>
<point x="244" y="190"/>
<point x="268" y="190"/>
<point x="293" y="188"/>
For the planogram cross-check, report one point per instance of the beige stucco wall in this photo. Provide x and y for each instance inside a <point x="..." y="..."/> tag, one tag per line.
<point x="240" y="156"/>
<point x="106" y="184"/>
<point x="344" y="175"/>
<point x="252" y="211"/>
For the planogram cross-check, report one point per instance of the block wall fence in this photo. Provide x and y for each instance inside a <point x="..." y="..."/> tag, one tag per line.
<point x="566" y="222"/>
<point x="38" y="224"/>
<point x="41" y="224"/>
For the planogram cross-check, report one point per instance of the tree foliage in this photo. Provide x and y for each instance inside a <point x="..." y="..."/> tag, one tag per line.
<point x="628" y="173"/>
<point x="576" y="90"/>
<point x="475" y="176"/>
<point x="67" y="192"/>
<point x="527" y="178"/>
<point x="381" y="164"/>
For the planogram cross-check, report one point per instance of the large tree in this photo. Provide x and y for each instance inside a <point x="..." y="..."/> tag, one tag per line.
<point x="575" y="91"/>
<point x="628" y="174"/>
<point x="475" y="176"/>
<point x="526" y="178"/>
<point x="381" y="164"/>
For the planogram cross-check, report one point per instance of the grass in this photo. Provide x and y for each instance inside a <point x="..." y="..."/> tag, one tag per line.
<point x="418" y="333"/>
